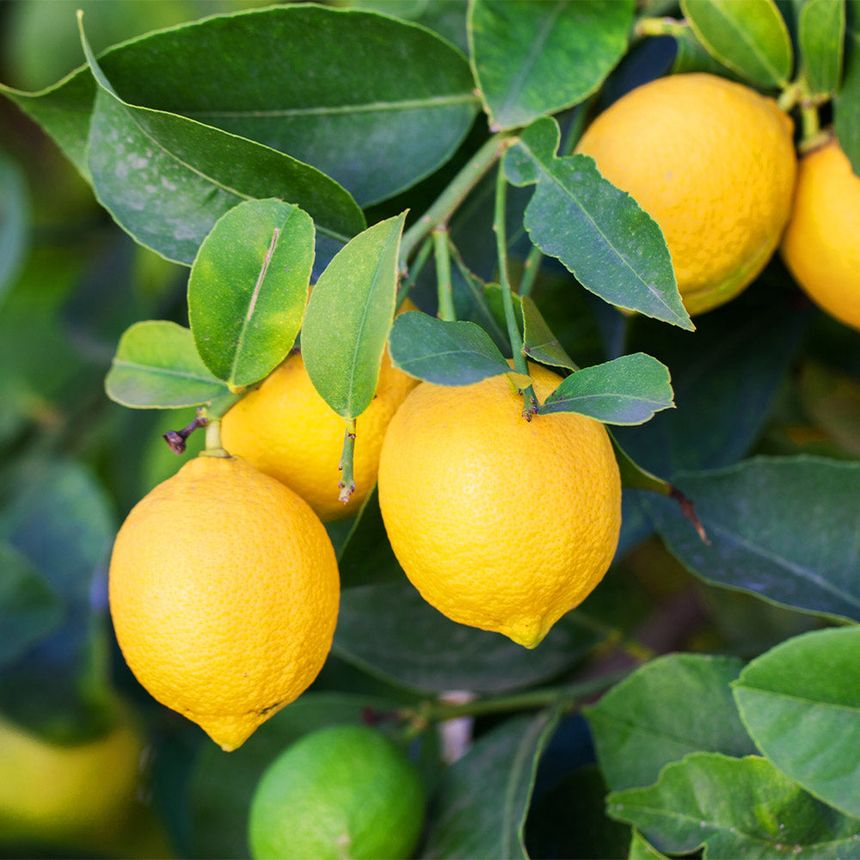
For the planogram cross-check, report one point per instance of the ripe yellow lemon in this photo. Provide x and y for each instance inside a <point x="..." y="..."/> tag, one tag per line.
<point x="500" y="523"/>
<point x="56" y="793"/>
<point x="822" y="242"/>
<point x="224" y="595"/>
<point x="713" y="163"/>
<point x="288" y="431"/>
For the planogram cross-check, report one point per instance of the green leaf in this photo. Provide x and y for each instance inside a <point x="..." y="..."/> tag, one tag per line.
<point x="634" y="476"/>
<point x="14" y="221"/>
<point x="445" y="353"/>
<point x="654" y="717"/>
<point x="781" y="528"/>
<point x="821" y="38"/>
<point x="532" y="59"/>
<point x="612" y="246"/>
<point x="157" y="366"/>
<point x="349" y="316"/>
<point x="389" y="630"/>
<point x="626" y="390"/>
<point x="539" y="342"/>
<point x="846" y="109"/>
<point x="735" y="808"/>
<point x="801" y="703"/>
<point x="29" y="606"/>
<point x="750" y="37"/>
<point x="482" y="802"/>
<point x="691" y="56"/>
<point x="366" y="557"/>
<point x="222" y="784"/>
<point x="248" y="287"/>
<point x="371" y="101"/>
<point x="641" y="849"/>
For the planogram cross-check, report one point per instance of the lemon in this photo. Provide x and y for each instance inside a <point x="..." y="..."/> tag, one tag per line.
<point x="52" y="793"/>
<point x="500" y="523"/>
<point x="224" y="595"/>
<point x="713" y="163"/>
<point x="340" y="792"/>
<point x="822" y="243"/>
<point x="288" y="431"/>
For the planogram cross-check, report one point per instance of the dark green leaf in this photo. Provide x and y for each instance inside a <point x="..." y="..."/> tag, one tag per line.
<point x="532" y="59"/>
<point x="349" y="316"/>
<point x="156" y="366"/>
<point x="612" y="246"/>
<point x="821" y="37"/>
<point x="248" y="287"/>
<point x="801" y="704"/>
<point x="655" y="716"/>
<point x="634" y="476"/>
<point x="539" y="342"/>
<point x="626" y="390"/>
<point x="445" y="353"/>
<point x="390" y="631"/>
<point x="365" y="557"/>
<point x="483" y="799"/>
<point x="781" y="528"/>
<point x="28" y="605"/>
<point x="846" y="111"/>
<point x="735" y="808"/>
<point x="749" y="37"/>
<point x="14" y="218"/>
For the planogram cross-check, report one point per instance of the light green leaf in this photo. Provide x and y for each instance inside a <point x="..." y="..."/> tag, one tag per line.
<point x="612" y="246"/>
<point x="157" y="366"/>
<point x="539" y="342"/>
<point x="801" y="704"/>
<point x="749" y="37"/>
<point x="735" y="808"/>
<point x="641" y="849"/>
<point x="654" y="717"/>
<point x="248" y="287"/>
<point x="846" y="109"/>
<point x="349" y="316"/>
<point x="821" y="38"/>
<point x="532" y="59"/>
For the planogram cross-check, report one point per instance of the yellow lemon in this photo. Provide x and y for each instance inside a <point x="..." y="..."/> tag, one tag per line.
<point x="224" y="595"/>
<point x="288" y="431"/>
<point x="56" y="793"/>
<point x="713" y="163"/>
<point x="500" y="523"/>
<point x="822" y="242"/>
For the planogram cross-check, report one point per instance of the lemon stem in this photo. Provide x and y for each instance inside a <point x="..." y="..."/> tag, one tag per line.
<point x="520" y="365"/>
<point x="659" y="27"/>
<point x="811" y="125"/>
<point x="410" y="276"/>
<point x="347" y="481"/>
<point x="442" y="256"/>
<point x="214" y="447"/>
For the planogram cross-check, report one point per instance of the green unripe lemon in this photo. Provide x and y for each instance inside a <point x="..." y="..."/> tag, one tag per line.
<point x="337" y="793"/>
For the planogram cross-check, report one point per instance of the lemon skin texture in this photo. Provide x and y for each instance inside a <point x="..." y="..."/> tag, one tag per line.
<point x="713" y="163"/>
<point x="224" y="594"/>
<point x="340" y="792"/>
<point x="288" y="431"/>
<point x="500" y="523"/>
<point x="821" y="246"/>
<point x="54" y="793"/>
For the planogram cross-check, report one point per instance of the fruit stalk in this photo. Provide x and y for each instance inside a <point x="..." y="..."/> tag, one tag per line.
<point x="411" y="275"/>
<point x="443" y="274"/>
<point x="347" y="481"/>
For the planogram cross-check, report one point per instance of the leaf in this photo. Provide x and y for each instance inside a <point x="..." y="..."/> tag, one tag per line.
<point x="539" y="342"/>
<point x="821" y="38"/>
<point x="535" y="59"/>
<point x="846" y="109"/>
<point x="29" y="606"/>
<point x="626" y="390"/>
<point x="390" y="631"/>
<point x="801" y="703"/>
<point x="371" y="101"/>
<point x="691" y="56"/>
<point x="735" y="808"/>
<point x="640" y="849"/>
<point x="366" y="557"/>
<point x="222" y="784"/>
<point x="782" y="528"/>
<point x="654" y="717"/>
<point x="750" y="37"/>
<point x="444" y="353"/>
<point x="482" y="802"/>
<point x="612" y="246"/>
<point x="248" y="287"/>
<point x="349" y="316"/>
<point x="14" y="221"/>
<point x="157" y="366"/>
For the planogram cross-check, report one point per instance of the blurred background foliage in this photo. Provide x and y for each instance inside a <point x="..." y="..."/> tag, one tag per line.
<point x="767" y="373"/>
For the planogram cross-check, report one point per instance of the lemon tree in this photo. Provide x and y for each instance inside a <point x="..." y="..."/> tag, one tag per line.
<point x="430" y="429"/>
